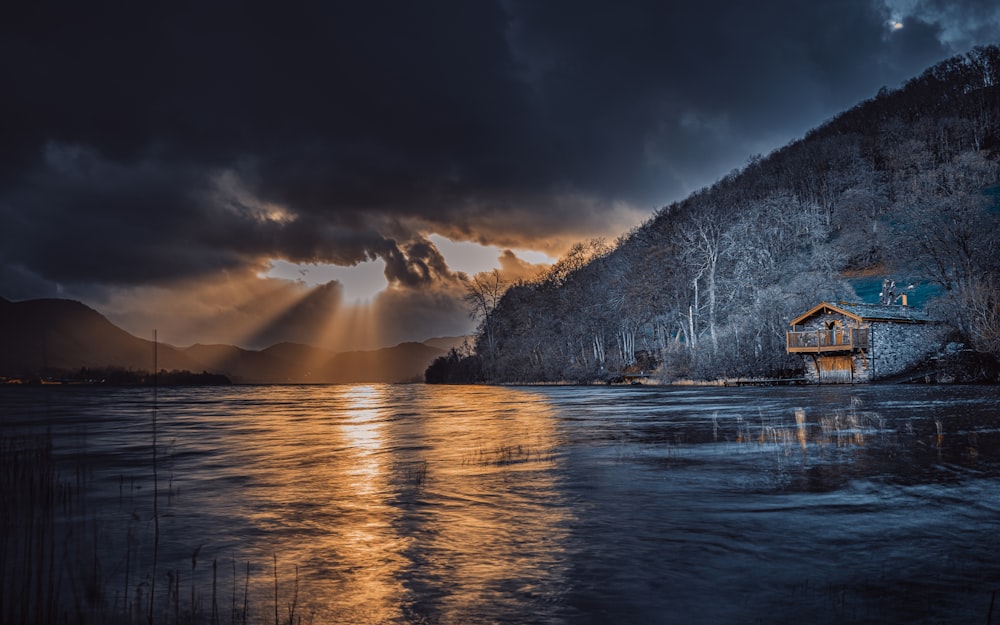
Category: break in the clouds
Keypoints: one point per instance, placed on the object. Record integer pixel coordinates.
(152, 148)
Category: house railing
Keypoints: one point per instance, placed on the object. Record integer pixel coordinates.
(834, 340)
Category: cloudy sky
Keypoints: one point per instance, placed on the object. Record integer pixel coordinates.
(248, 172)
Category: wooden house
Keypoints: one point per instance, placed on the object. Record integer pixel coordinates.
(857, 343)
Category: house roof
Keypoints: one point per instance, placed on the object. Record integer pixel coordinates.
(867, 312)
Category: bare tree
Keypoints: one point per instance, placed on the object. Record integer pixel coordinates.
(954, 234)
(701, 248)
(483, 293)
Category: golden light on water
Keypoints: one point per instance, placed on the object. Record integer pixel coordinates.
(326, 485)
(365, 544)
(363, 435)
(420, 504)
(456, 488)
(501, 500)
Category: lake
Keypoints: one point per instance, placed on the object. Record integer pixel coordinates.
(466, 505)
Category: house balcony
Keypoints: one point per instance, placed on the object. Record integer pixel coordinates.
(823, 341)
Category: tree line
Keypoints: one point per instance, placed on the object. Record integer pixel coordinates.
(119, 376)
(905, 184)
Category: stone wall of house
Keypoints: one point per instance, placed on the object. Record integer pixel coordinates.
(862, 367)
(893, 348)
(810, 370)
(896, 347)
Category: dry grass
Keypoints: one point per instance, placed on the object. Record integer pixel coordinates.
(55, 568)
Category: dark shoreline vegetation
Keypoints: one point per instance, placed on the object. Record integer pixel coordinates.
(905, 185)
(964, 366)
(115, 376)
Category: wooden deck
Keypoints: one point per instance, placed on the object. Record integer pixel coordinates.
(820, 341)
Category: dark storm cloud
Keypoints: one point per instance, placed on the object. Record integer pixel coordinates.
(152, 142)
(416, 265)
(959, 25)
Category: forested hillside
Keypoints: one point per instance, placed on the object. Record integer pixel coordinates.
(904, 185)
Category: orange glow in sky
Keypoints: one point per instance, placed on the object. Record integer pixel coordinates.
(364, 281)
(361, 282)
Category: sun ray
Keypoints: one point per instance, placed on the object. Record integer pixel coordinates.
(353, 327)
(361, 282)
(223, 308)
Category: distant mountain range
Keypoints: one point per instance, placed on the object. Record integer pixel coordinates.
(45, 336)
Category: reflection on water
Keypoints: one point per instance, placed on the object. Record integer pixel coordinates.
(414, 504)
(398, 504)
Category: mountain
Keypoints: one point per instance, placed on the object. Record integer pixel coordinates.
(43, 336)
(446, 343)
(298, 352)
(298, 363)
(405, 362)
(241, 365)
(302, 362)
(904, 186)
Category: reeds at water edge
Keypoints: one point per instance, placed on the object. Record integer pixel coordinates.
(31, 492)
(58, 564)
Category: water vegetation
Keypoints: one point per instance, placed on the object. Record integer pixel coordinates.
(59, 566)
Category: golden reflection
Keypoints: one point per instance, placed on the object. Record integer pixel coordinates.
(326, 501)
(366, 544)
(800, 427)
(411, 503)
(504, 529)
(852, 427)
(362, 431)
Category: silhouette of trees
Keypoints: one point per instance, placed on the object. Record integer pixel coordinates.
(456, 367)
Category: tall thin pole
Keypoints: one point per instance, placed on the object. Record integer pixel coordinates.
(156, 494)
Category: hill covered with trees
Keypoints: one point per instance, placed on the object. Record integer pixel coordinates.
(905, 185)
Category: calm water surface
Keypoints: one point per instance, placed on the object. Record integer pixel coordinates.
(454, 505)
